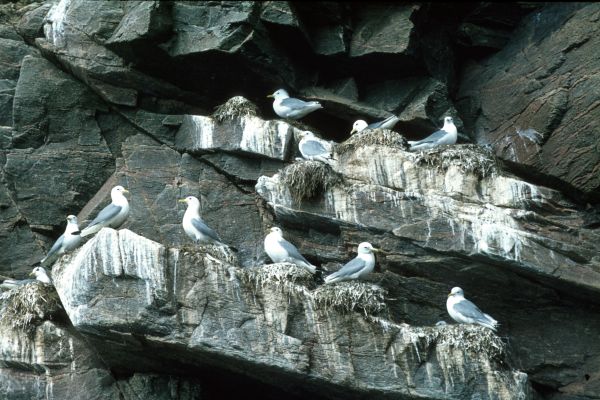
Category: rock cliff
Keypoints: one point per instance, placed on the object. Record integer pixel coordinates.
(168, 100)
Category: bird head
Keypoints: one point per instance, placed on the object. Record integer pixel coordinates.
(38, 271)
(307, 134)
(118, 189)
(190, 201)
(456, 291)
(448, 120)
(71, 219)
(279, 94)
(358, 126)
(276, 230)
(366, 248)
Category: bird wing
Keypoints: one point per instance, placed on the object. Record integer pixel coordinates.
(108, 213)
(469, 310)
(292, 251)
(350, 268)
(312, 148)
(13, 283)
(204, 229)
(55, 247)
(379, 124)
(294, 104)
(434, 137)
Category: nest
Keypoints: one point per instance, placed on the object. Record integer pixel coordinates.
(288, 277)
(351, 296)
(469, 158)
(235, 107)
(472, 338)
(25, 307)
(370, 137)
(221, 253)
(309, 179)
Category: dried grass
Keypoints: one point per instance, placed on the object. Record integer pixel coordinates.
(289, 277)
(469, 158)
(309, 179)
(235, 107)
(373, 137)
(351, 296)
(25, 307)
(472, 338)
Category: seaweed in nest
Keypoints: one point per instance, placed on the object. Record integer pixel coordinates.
(308, 179)
(288, 277)
(474, 339)
(470, 158)
(351, 296)
(370, 137)
(25, 307)
(237, 106)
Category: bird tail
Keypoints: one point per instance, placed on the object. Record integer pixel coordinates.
(309, 267)
(489, 322)
(332, 278)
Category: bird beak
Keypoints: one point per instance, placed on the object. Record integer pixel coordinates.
(449, 294)
(379, 251)
(182, 201)
(352, 131)
(125, 191)
(270, 95)
(31, 273)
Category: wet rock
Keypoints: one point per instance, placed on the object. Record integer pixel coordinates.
(31, 24)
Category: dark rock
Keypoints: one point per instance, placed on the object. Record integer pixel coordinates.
(32, 23)
(503, 97)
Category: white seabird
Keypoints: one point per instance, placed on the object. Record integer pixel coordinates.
(68, 241)
(40, 275)
(447, 135)
(358, 268)
(280, 250)
(289, 107)
(313, 148)
(465, 312)
(388, 123)
(113, 215)
(194, 226)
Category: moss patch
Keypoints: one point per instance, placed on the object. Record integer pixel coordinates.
(25, 307)
(470, 158)
(351, 296)
(370, 137)
(309, 179)
(235, 107)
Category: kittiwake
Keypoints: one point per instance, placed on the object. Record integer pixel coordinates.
(195, 227)
(313, 148)
(113, 215)
(68, 241)
(387, 123)
(40, 275)
(280, 250)
(358, 268)
(289, 107)
(465, 312)
(447, 135)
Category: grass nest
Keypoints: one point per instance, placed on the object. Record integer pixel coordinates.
(288, 277)
(351, 296)
(474, 339)
(24, 308)
(235, 107)
(309, 179)
(470, 158)
(221, 253)
(370, 137)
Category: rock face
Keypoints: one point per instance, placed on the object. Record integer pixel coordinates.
(169, 99)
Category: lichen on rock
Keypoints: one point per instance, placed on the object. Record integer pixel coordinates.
(235, 107)
(309, 179)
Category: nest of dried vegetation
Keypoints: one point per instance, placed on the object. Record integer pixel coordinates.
(235, 107)
(469, 158)
(351, 296)
(370, 137)
(286, 276)
(25, 307)
(309, 179)
(472, 338)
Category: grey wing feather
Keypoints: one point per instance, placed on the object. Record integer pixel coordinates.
(205, 230)
(56, 246)
(108, 213)
(379, 124)
(469, 310)
(313, 148)
(292, 251)
(434, 137)
(294, 104)
(352, 267)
